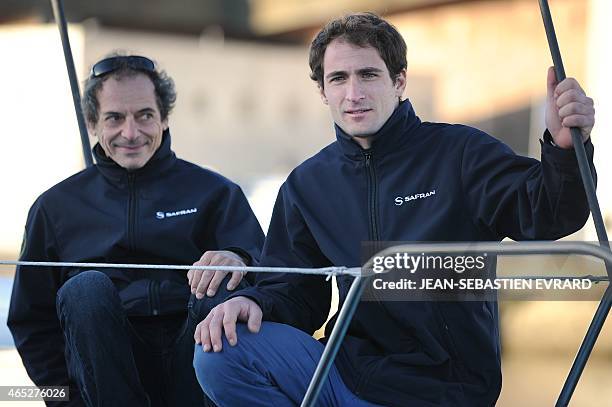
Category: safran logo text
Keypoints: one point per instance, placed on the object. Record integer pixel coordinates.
(163, 215)
(399, 201)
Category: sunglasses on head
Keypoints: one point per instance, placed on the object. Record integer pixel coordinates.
(111, 64)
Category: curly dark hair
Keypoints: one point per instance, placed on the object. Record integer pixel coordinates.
(361, 29)
(165, 93)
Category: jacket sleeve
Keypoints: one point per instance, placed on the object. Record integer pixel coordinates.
(235, 226)
(302, 301)
(32, 317)
(522, 198)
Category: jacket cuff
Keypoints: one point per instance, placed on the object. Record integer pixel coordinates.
(563, 160)
(244, 255)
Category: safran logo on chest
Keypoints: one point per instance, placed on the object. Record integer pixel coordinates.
(163, 215)
(400, 200)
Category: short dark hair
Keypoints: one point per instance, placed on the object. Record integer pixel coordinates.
(165, 94)
(361, 29)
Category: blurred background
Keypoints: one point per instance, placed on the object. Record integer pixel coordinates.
(247, 108)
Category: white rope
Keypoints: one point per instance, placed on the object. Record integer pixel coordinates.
(327, 271)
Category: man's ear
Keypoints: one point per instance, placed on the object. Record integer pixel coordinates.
(165, 124)
(91, 129)
(400, 83)
(322, 94)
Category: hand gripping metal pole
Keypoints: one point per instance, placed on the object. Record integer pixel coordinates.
(58, 12)
(589, 186)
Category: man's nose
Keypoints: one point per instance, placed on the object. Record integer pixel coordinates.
(354, 90)
(130, 128)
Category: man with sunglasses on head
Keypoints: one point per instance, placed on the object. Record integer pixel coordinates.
(121, 336)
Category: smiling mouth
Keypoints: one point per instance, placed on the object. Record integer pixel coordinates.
(129, 150)
(130, 146)
(357, 111)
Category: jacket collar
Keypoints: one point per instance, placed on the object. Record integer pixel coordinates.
(393, 135)
(161, 160)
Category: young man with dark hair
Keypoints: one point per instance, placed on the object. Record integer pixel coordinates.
(395, 353)
(122, 336)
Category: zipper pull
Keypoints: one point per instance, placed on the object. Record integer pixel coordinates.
(368, 157)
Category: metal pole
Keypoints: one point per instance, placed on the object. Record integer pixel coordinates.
(335, 340)
(589, 186)
(58, 13)
(585, 172)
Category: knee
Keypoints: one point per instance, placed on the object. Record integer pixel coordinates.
(216, 370)
(211, 369)
(86, 294)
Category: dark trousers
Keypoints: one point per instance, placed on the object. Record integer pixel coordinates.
(117, 360)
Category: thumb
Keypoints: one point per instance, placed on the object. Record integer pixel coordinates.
(551, 83)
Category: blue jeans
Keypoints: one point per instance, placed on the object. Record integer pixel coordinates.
(119, 360)
(270, 368)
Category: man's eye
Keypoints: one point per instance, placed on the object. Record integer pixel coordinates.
(113, 118)
(146, 116)
(336, 79)
(369, 75)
